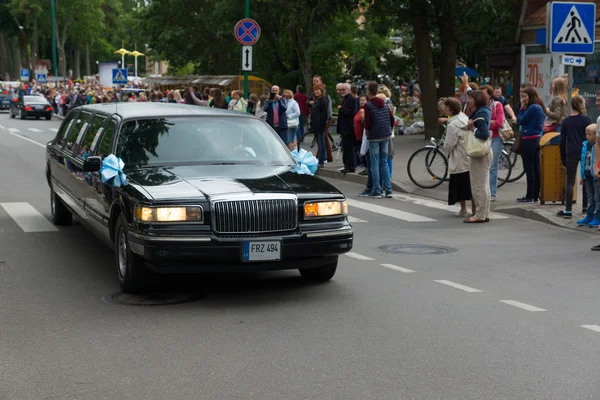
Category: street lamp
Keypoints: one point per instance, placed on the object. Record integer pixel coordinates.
(53, 40)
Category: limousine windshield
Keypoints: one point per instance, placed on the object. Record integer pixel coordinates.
(207, 140)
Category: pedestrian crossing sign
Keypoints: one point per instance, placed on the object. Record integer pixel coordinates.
(119, 76)
(572, 27)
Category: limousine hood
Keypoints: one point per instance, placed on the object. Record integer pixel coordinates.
(211, 181)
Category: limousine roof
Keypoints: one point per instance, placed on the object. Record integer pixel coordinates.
(149, 109)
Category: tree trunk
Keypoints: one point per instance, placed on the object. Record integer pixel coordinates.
(16, 57)
(304, 58)
(425, 64)
(5, 58)
(449, 45)
(88, 70)
(24, 50)
(76, 64)
(34, 45)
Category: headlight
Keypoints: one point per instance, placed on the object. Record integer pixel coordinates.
(169, 214)
(325, 209)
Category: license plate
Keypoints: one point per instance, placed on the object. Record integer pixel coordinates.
(261, 251)
(6, 102)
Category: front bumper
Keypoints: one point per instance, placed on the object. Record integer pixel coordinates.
(211, 253)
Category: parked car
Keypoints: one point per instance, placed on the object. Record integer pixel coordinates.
(206, 190)
(30, 106)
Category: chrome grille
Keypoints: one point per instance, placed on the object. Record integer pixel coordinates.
(255, 216)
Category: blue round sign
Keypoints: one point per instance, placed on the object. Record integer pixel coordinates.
(247, 31)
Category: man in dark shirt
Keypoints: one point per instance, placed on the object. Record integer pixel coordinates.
(345, 125)
(301, 99)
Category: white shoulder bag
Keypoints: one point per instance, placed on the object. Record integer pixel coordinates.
(477, 148)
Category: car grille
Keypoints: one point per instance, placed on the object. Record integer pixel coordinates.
(255, 216)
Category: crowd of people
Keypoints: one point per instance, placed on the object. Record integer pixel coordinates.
(473, 171)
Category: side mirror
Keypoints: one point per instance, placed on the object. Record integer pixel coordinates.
(92, 164)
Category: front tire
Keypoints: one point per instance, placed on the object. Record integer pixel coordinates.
(323, 273)
(60, 213)
(48, 117)
(133, 277)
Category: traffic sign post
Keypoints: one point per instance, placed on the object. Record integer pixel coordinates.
(247, 33)
(246, 58)
(576, 61)
(41, 78)
(119, 76)
(571, 29)
(24, 74)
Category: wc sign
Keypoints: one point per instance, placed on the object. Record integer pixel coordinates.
(575, 61)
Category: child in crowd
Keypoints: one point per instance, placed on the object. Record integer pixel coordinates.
(592, 218)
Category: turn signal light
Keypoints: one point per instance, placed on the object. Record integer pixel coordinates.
(49, 108)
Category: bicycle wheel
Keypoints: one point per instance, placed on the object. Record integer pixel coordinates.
(516, 163)
(427, 168)
(429, 161)
(504, 169)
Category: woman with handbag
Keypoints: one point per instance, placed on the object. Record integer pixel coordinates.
(572, 137)
(479, 149)
(293, 118)
(455, 145)
(496, 124)
(558, 107)
(531, 119)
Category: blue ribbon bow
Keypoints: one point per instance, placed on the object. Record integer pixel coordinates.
(112, 171)
(307, 162)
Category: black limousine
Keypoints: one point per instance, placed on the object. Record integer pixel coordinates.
(199, 190)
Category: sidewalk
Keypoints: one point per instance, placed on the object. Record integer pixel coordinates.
(405, 146)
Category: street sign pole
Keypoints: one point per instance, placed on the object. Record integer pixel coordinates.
(246, 15)
(53, 39)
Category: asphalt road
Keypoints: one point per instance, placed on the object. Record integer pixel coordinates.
(500, 315)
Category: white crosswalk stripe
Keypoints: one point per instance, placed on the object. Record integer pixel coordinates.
(14, 130)
(354, 220)
(438, 205)
(34, 129)
(389, 212)
(1, 127)
(28, 218)
(53, 129)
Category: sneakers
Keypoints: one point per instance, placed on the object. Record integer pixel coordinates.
(595, 223)
(596, 248)
(584, 221)
(524, 200)
(363, 194)
(388, 195)
(374, 195)
(564, 214)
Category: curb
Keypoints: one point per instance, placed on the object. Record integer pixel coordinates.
(545, 216)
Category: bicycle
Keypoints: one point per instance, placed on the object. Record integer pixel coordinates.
(432, 152)
(517, 167)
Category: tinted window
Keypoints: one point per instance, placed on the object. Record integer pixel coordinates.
(76, 129)
(105, 147)
(93, 130)
(34, 99)
(66, 125)
(205, 140)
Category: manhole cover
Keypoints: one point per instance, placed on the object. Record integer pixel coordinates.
(151, 299)
(416, 249)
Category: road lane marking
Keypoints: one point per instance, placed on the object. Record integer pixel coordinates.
(28, 218)
(359, 256)
(14, 130)
(27, 139)
(595, 328)
(397, 268)
(458, 286)
(355, 220)
(438, 205)
(53, 129)
(1, 127)
(389, 212)
(523, 306)
(34, 129)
